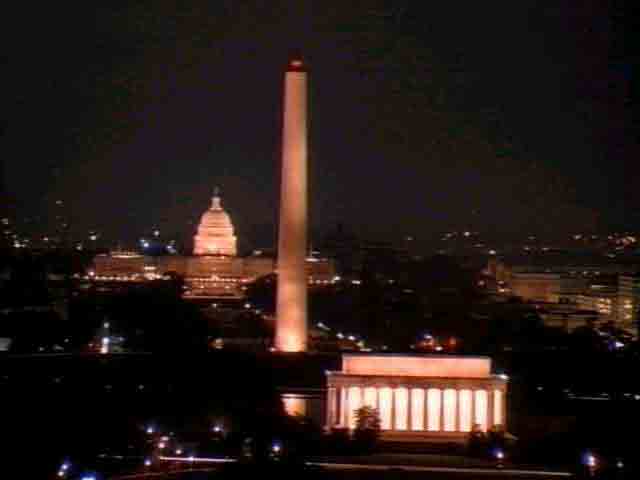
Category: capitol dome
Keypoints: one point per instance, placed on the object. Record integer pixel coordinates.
(215, 235)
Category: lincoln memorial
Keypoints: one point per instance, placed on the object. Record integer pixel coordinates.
(418, 396)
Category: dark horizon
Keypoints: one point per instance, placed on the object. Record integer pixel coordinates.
(497, 118)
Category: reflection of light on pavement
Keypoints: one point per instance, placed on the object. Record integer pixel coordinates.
(474, 471)
(351, 466)
(197, 459)
(294, 404)
(173, 474)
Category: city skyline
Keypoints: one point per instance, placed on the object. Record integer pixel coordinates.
(320, 239)
(415, 128)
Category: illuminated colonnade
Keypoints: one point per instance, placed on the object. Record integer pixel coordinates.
(412, 403)
(423, 409)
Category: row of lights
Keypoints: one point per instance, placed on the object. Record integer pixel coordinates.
(321, 282)
(124, 278)
(360, 343)
(429, 342)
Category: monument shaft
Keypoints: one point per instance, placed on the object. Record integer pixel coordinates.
(291, 309)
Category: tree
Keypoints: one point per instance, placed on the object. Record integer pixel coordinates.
(477, 441)
(367, 431)
(367, 418)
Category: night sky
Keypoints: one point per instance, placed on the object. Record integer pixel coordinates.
(500, 116)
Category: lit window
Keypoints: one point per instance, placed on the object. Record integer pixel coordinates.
(417, 409)
(294, 405)
(465, 399)
(481, 406)
(385, 408)
(353, 404)
(370, 397)
(497, 407)
(449, 410)
(401, 404)
(433, 409)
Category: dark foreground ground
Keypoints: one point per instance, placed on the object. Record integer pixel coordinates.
(350, 472)
(54, 407)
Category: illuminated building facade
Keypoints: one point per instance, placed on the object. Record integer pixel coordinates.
(604, 302)
(610, 287)
(629, 302)
(568, 317)
(291, 302)
(205, 276)
(418, 397)
(215, 234)
(536, 286)
(214, 270)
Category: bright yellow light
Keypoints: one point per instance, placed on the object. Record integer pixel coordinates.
(289, 343)
(417, 409)
(497, 408)
(450, 410)
(401, 405)
(371, 397)
(353, 404)
(464, 407)
(433, 409)
(294, 405)
(481, 407)
(385, 408)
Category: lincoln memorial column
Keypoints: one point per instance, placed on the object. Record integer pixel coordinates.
(442, 408)
(490, 416)
(473, 408)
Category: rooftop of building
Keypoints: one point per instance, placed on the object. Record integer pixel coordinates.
(568, 260)
(416, 365)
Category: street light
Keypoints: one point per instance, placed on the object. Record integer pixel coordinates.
(590, 462)
(64, 469)
(499, 456)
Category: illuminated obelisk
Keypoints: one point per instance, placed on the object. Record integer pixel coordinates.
(291, 309)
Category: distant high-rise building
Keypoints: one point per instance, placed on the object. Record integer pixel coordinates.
(629, 301)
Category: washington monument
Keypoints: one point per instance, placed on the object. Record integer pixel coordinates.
(291, 308)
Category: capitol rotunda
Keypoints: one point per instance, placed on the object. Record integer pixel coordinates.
(213, 271)
(215, 235)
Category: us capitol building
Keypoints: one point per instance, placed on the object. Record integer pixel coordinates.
(213, 271)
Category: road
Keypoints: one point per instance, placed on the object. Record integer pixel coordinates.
(347, 471)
